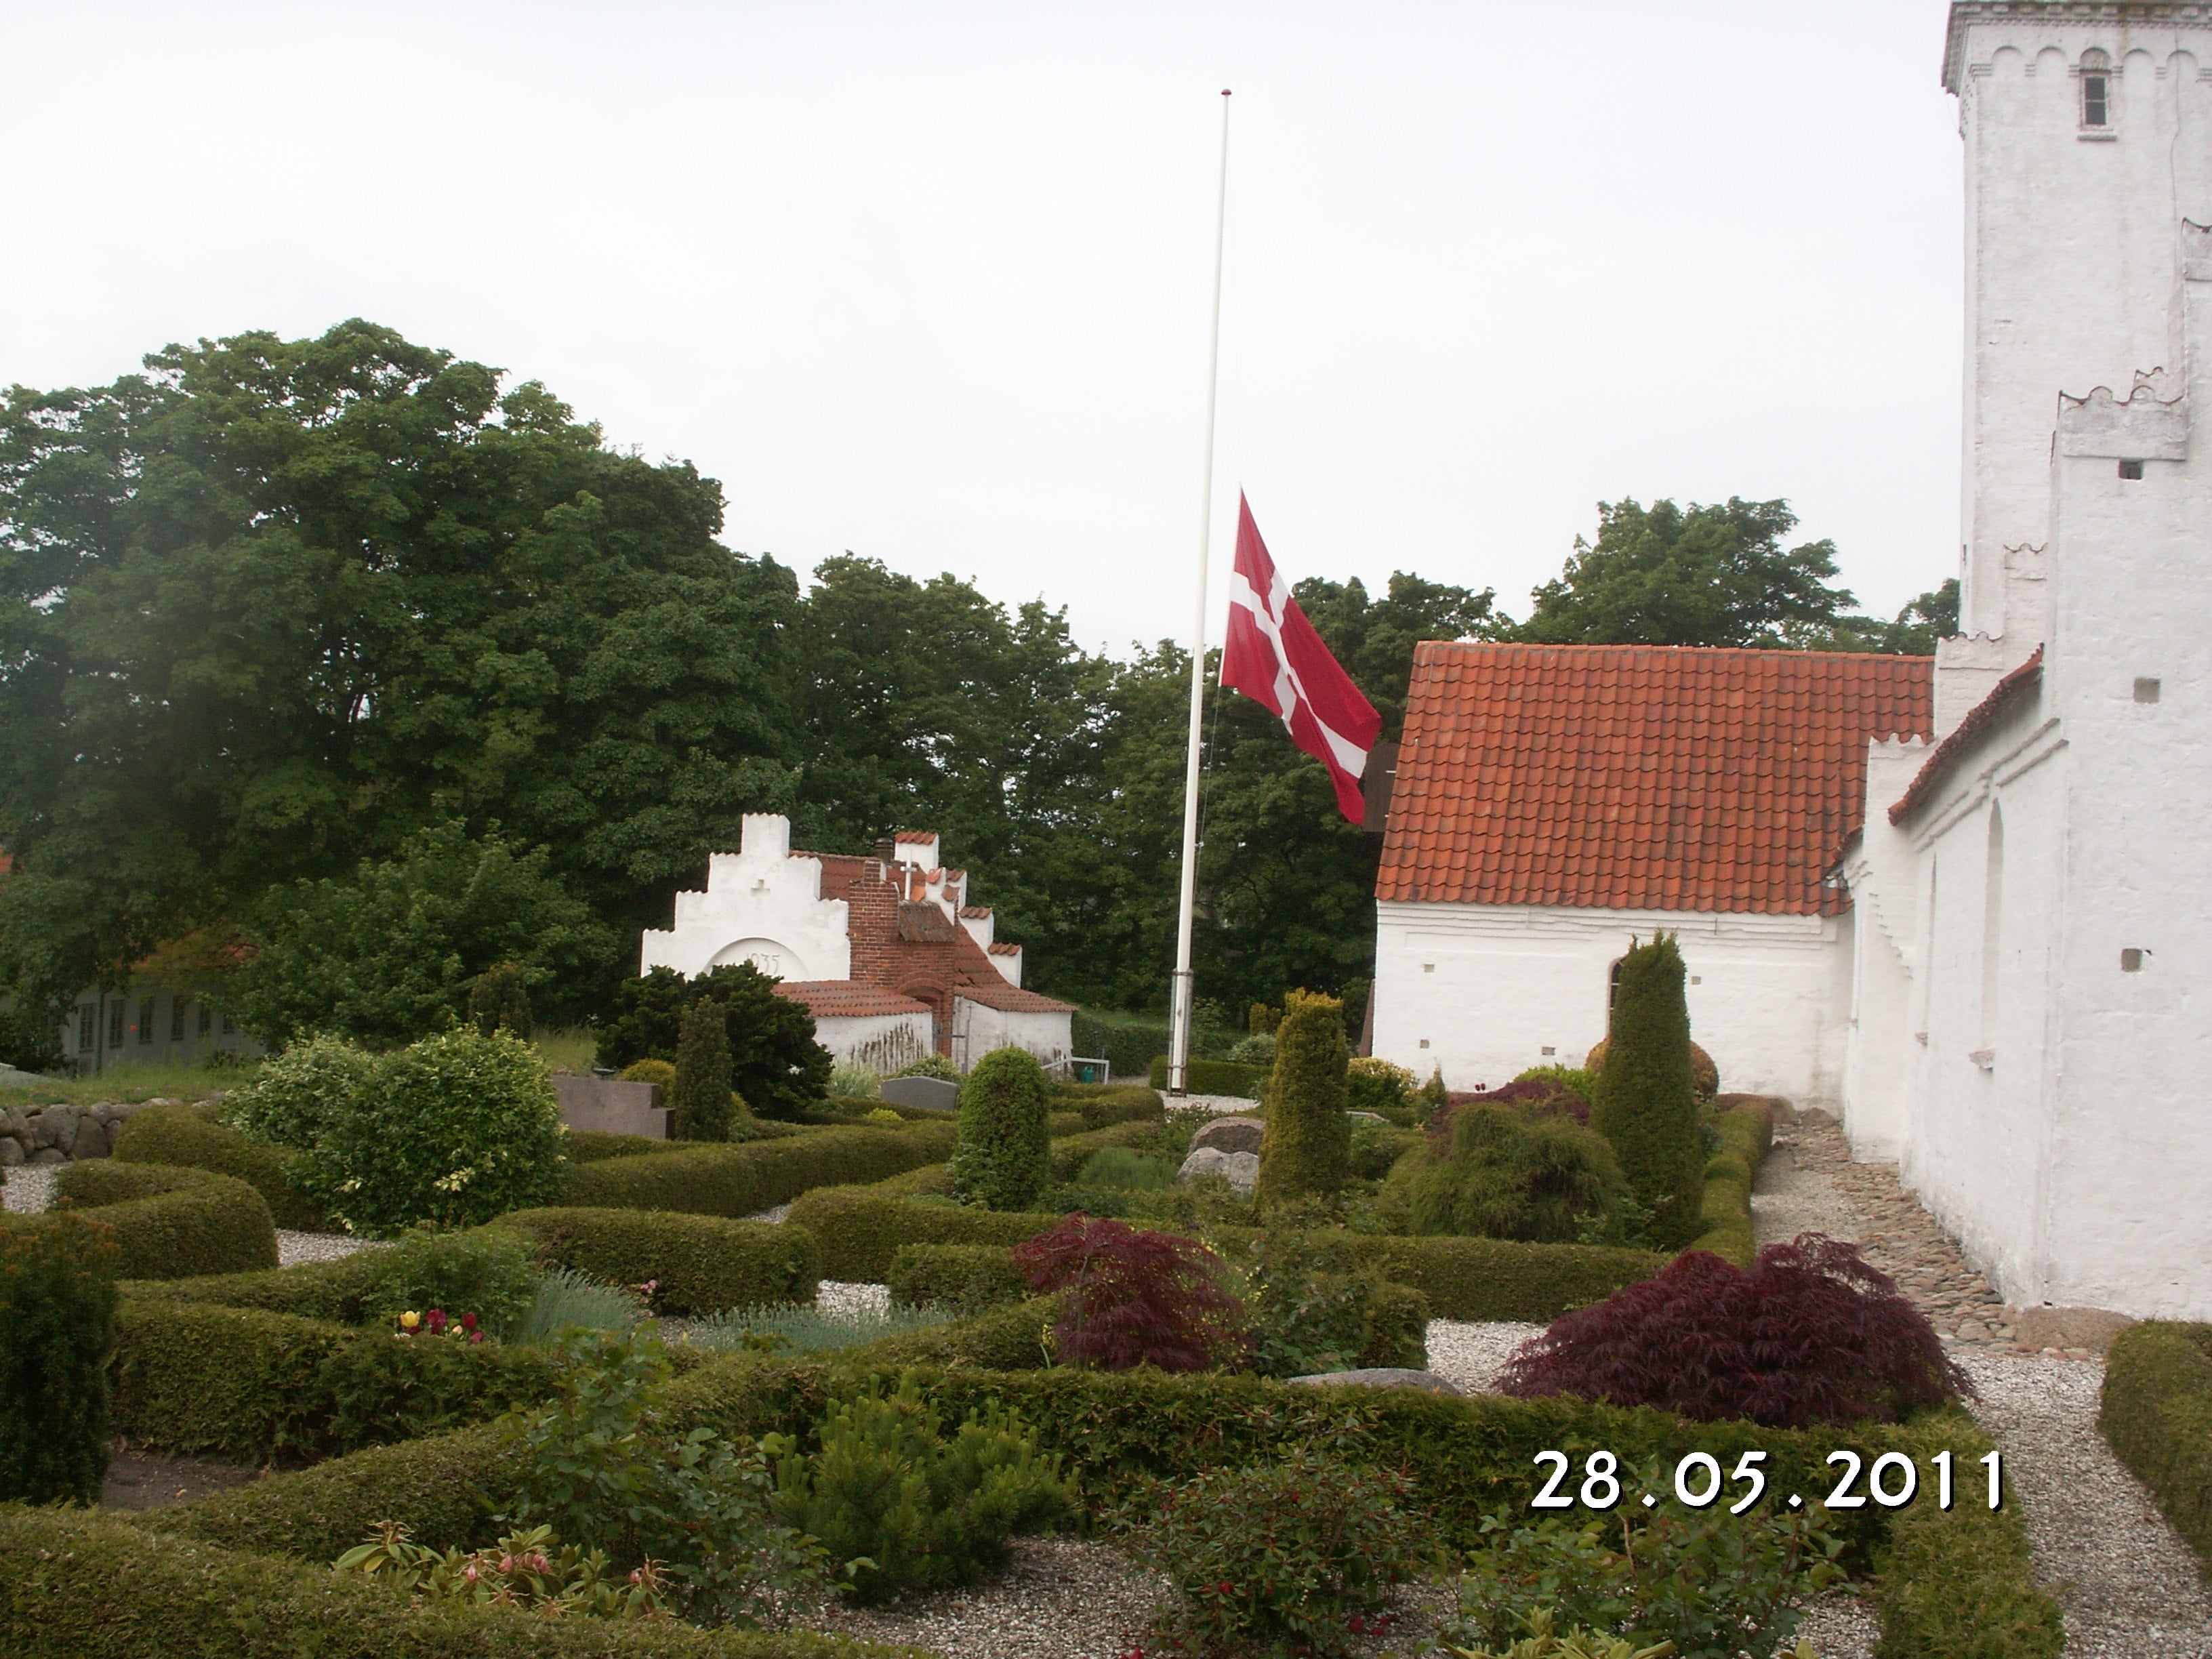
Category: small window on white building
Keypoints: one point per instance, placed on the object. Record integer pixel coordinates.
(176, 1006)
(87, 1019)
(2096, 92)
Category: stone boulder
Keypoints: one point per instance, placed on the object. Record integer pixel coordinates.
(92, 1138)
(1240, 1169)
(55, 1128)
(1378, 1377)
(1231, 1135)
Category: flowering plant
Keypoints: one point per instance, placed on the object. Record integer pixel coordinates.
(436, 1322)
(524, 1568)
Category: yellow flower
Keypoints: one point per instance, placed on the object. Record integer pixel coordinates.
(410, 1319)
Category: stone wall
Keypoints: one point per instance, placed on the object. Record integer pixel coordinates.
(55, 1135)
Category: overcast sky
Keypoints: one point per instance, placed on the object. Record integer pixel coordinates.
(928, 281)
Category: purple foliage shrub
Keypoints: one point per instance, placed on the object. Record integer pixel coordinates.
(1808, 1333)
(1130, 1298)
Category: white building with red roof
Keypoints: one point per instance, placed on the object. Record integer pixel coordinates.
(884, 949)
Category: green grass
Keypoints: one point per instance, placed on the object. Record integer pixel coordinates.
(571, 1049)
(807, 1328)
(125, 1081)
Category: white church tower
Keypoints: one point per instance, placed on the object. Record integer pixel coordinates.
(2032, 981)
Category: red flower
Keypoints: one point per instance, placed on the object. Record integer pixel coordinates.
(436, 1320)
(468, 1322)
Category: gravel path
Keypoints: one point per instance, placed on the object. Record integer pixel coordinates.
(30, 1191)
(1470, 1356)
(30, 1187)
(294, 1248)
(2128, 1586)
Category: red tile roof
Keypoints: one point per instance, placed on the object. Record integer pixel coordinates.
(1012, 999)
(2006, 692)
(973, 912)
(844, 999)
(917, 834)
(1006, 949)
(1638, 777)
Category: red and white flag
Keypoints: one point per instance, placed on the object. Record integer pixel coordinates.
(1274, 657)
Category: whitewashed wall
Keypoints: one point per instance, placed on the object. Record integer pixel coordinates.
(977, 1029)
(1483, 991)
(881, 1042)
(760, 906)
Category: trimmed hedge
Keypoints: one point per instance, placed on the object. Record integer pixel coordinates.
(591, 1146)
(2157, 1413)
(1216, 1077)
(1071, 1152)
(1747, 1130)
(701, 1264)
(1955, 1582)
(1104, 1104)
(333, 1291)
(244, 1384)
(172, 1223)
(754, 1176)
(191, 1137)
(1015, 1337)
(1489, 1279)
(861, 1229)
(968, 1277)
(83, 1583)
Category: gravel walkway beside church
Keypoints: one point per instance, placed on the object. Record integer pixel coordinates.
(2129, 1586)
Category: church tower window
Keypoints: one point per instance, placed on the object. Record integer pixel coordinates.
(2096, 91)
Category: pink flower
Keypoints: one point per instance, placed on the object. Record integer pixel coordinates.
(476, 1336)
(471, 1573)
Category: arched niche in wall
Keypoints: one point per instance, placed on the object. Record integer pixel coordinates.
(772, 957)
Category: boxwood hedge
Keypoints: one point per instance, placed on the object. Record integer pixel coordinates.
(700, 1264)
(1215, 1077)
(861, 1229)
(172, 1222)
(191, 1137)
(1104, 1104)
(968, 1277)
(753, 1175)
(2157, 1413)
(1745, 1124)
(81, 1581)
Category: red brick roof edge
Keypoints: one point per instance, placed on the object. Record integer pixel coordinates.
(1983, 716)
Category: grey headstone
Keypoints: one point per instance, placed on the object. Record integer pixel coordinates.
(1240, 1169)
(935, 1093)
(1379, 1377)
(609, 1106)
(1231, 1135)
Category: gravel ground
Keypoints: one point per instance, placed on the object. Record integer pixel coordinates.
(1470, 1356)
(30, 1187)
(777, 1213)
(293, 1248)
(841, 1297)
(2128, 1584)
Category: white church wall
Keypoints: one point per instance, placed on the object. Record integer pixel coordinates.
(1484, 990)
(760, 905)
(881, 1042)
(1884, 874)
(977, 1029)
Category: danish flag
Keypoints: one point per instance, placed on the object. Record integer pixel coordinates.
(1274, 657)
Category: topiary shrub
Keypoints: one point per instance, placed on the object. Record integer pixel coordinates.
(1258, 1050)
(1498, 1173)
(935, 1065)
(659, 1071)
(2156, 1411)
(697, 1264)
(1810, 1333)
(298, 1094)
(57, 1310)
(455, 1129)
(1132, 1298)
(500, 1000)
(1002, 1157)
(193, 1138)
(1646, 1103)
(1377, 1085)
(700, 1100)
(1308, 1136)
(922, 1509)
(174, 1223)
(1705, 1076)
(776, 1066)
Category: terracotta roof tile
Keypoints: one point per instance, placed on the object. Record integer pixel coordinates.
(1012, 999)
(1638, 777)
(975, 912)
(917, 834)
(2006, 692)
(844, 999)
(1006, 948)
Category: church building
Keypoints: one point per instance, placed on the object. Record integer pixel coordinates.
(1995, 968)
(885, 951)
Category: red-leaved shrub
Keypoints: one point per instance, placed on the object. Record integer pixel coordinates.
(1134, 1298)
(1810, 1333)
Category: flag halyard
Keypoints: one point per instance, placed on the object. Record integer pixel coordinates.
(1274, 657)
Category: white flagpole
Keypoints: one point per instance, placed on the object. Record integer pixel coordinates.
(1179, 1029)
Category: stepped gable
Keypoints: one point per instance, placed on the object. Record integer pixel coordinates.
(1639, 777)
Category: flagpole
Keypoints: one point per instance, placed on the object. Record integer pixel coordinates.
(1179, 1029)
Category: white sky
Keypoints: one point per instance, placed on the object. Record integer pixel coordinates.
(928, 281)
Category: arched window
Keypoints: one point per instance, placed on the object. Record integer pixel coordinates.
(1992, 927)
(2096, 77)
(1613, 985)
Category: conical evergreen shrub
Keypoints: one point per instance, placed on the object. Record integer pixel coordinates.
(1646, 1103)
(701, 1094)
(1002, 1151)
(500, 1001)
(1307, 1139)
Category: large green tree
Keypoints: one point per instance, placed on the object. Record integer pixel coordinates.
(273, 606)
